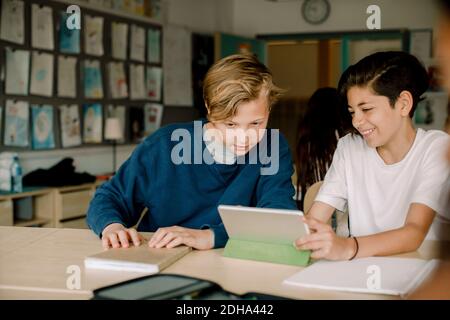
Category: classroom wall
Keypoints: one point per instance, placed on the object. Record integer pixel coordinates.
(247, 18)
(252, 17)
(201, 16)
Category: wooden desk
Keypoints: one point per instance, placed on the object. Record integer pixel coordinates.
(34, 261)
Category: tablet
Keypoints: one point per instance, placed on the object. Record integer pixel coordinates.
(277, 226)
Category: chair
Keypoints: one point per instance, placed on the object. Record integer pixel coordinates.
(310, 195)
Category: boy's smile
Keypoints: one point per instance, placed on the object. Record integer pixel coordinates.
(386, 128)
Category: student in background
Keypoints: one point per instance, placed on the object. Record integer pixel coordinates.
(182, 187)
(392, 177)
(323, 124)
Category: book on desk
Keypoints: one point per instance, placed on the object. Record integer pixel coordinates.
(136, 259)
(375, 275)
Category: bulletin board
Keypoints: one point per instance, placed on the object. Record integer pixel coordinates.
(20, 130)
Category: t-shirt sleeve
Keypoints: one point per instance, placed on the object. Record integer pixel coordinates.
(433, 186)
(334, 188)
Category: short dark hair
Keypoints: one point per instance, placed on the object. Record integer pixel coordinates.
(387, 74)
(445, 5)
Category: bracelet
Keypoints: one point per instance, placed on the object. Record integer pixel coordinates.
(357, 249)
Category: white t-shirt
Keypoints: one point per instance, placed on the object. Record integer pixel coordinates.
(377, 195)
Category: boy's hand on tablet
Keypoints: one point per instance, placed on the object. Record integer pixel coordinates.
(324, 242)
(174, 236)
(116, 235)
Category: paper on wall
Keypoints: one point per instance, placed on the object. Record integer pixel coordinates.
(42, 74)
(42, 27)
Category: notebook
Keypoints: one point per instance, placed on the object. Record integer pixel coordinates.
(377, 275)
(136, 259)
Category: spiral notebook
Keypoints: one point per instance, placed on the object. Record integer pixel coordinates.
(136, 259)
(377, 275)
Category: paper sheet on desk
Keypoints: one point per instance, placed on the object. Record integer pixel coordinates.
(378, 275)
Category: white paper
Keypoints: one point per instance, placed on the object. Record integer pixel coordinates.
(42, 27)
(12, 21)
(153, 83)
(17, 70)
(92, 123)
(70, 125)
(153, 115)
(93, 35)
(397, 276)
(42, 74)
(117, 80)
(93, 80)
(154, 45)
(67, 86)
(17, 123)
(137, 47)
(137, 82)
(120, 113)
(119, 37)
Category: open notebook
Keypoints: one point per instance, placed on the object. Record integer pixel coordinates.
(379, 275)
(136, 259)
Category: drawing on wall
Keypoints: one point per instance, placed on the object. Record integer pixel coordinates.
(137, 43)
(67, 86)
(118, 87)
(12, 21)
(119, 40)
(17, 69)
(118, 112)
(92, 123)
(42, 27)
(154, 46)
(42, 74)
(16, 123)
(70, 125)
(93, 86)
(153, 115)
(154, 80)
(42, 127)
(93, 35)
(69, 40)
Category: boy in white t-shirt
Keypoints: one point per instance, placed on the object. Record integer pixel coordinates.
(392, 178)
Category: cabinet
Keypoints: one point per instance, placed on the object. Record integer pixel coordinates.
(71, 204)
(63, 207)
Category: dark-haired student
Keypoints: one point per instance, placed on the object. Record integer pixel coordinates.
(393, 178)
(317, 138)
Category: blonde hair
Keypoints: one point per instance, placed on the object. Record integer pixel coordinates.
(236, 79)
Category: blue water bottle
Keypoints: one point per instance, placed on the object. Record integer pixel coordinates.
(16, 175)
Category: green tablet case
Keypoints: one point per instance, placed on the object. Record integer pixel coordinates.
(268, 252)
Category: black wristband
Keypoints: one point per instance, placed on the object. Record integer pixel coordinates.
(357, 248)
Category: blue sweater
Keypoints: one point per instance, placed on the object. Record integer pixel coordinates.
(185, 194)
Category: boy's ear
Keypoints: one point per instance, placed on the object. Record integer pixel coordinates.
(405, 102)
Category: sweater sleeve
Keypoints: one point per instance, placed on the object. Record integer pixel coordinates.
(121, 200)
(275, 188)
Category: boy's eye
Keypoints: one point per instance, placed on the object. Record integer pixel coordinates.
(367, 109)
(230, 125)
(255, 124)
